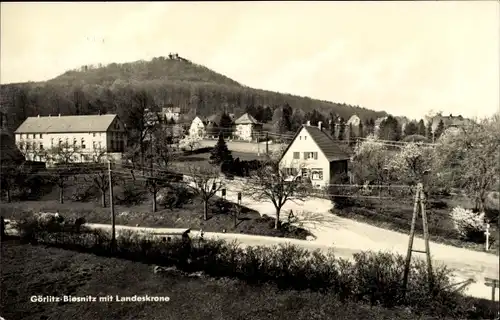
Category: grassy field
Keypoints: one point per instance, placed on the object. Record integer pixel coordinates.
(35, 270)
(201, 160)
(190, 215)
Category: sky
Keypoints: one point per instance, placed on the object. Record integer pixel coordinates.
(406, 58)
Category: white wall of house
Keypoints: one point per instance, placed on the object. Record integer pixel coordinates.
(172, 115)
(305, 154)
(244, 131)
(197, 128)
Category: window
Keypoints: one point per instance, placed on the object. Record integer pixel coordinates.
(93, 145)
(40, 135)
(310, 155)
(51, 142)
(34, 135)
(317, 174)
(41, 146)
(300, 137)
(59, 143)
(100, 145)
(93, 134)
(21, 145)
(296, 155)
(74, 143)
(28, 145)
(305, 137)
(83, 143)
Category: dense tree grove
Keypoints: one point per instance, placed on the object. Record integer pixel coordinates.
(116, 88)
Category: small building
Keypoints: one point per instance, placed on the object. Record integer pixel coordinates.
(171, 113)
(450, 121)
(197, 128)
(313, 154)
(247, 128)
(87, 135)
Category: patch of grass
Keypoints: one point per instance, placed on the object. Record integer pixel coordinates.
(397, 215)
(190, 215)
(29, 270)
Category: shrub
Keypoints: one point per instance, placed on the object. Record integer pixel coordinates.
(469, 225)
(372, 277)
(132, 193)
(83, 193)
(175, 196)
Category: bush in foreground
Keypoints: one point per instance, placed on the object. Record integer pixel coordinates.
(372, 277)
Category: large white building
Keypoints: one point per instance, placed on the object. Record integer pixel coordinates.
(89, 136)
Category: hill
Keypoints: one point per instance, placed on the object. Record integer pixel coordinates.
(161, 81)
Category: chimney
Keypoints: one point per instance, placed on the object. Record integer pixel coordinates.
(49, 115)
(308, 123)
(59, 115)
(320, 125)
(38, 116)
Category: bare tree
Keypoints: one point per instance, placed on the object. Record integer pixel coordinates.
(160, 156)
(62, 158)
(271, 183)
(97, 173)
(205, 182)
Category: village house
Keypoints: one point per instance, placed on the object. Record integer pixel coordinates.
(197, 128)
(247, 128)
(171, 113)
(314, 155)
(450, 121)
(90, 135)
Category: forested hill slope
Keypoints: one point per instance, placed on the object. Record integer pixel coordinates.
(118, 88)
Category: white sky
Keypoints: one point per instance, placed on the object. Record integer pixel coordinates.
(402, 57)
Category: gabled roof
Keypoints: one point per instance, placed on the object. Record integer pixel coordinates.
(62, 124)
(325, 143)
(171, 109)
(354, 120)
(246, 119)
(450, 121)
(215, 118)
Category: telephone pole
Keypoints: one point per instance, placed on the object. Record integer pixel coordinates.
(112, 207)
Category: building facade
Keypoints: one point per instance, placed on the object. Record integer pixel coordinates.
(314, 155)
(88, 137)
(247, 128)
(197, 128)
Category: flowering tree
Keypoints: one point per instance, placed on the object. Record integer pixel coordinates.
(411, 163)
(468, 224)
(469, 158)
(369, 161)
(191, 142)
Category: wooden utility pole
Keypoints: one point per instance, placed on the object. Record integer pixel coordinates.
(267, 143)
(418, 206)
(112, 207)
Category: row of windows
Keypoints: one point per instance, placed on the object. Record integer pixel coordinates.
(307, 155)
(31, 135)
(118, 135)
(115, 144)
(313, 174)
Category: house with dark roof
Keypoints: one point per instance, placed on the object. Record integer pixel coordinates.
(247, 128)
(89, 136)
(315, 156)
(450, 121)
